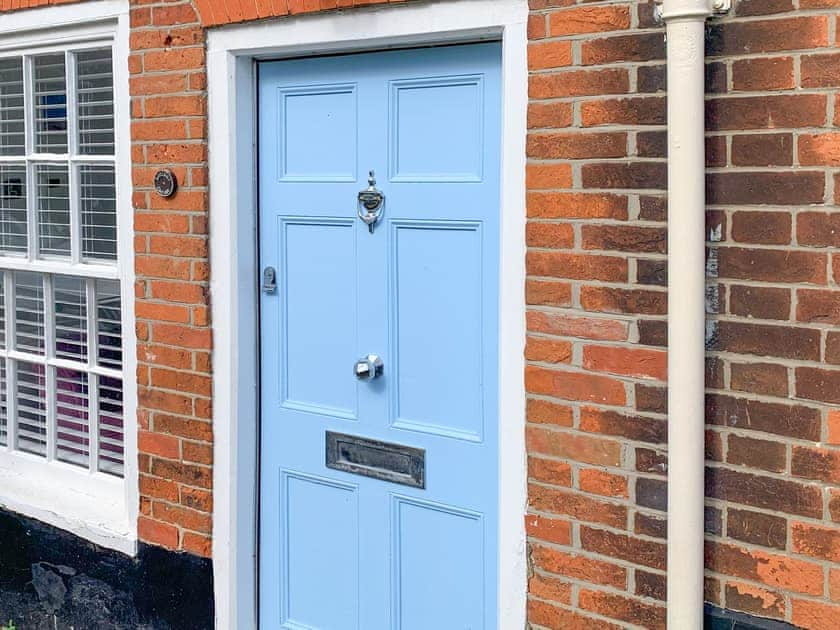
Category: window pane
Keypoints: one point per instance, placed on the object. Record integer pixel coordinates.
(96, 102)
(13, 208)
(11, 107)
(71, 417)
(110, 426)
(70, 318)
(53, 194)
(29, 312)
(31, 408)
(99, 212)
(50, 95)
(109, 323)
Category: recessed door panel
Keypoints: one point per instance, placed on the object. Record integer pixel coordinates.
(379, 343)
(438, 567)
(319, 327)
(318, 133)
(437, 322)
(320, 553)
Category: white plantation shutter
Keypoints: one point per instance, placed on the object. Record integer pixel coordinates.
(61, 356)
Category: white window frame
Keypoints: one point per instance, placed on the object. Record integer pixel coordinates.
(231, 52)
(99, 507)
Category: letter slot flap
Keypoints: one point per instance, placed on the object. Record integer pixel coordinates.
(396, 463)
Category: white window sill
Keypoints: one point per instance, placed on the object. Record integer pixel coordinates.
(92, 507)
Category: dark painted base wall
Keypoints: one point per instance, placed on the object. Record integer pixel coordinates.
(50, 578)
(719, 619)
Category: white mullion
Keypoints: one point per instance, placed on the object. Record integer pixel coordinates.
(74, 184)
(70, 100)
(49, 372)
(32, 210)
(11, 366)
(11, 406)
(28, 107)
(93, 380)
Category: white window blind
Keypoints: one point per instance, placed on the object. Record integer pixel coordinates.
(61, 363)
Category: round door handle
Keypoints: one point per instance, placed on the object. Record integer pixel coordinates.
(368, 367)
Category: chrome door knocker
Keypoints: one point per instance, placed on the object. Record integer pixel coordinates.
(370, 203)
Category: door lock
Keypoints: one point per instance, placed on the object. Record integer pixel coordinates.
(368, 368)
(370, 202)
(269, 280)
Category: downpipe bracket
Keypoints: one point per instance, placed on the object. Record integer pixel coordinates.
(666, 10)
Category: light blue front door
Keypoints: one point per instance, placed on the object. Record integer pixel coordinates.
(399, 532)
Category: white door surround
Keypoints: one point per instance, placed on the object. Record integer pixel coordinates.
(233, 246)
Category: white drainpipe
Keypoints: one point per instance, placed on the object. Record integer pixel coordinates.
(685, 25)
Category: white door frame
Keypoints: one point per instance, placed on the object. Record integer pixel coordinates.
(232, 51)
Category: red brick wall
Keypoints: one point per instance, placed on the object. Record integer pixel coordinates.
(596, 354)
(597, 313)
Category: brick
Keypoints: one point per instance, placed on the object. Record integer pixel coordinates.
(580, 448)
(795, 421)
(813, 615)
(816, 541)
(579, 567)
(581, 20)
(196, 499)
(622, 608)
(635, 47)
(759, 302)
(579, 83)
(737, 38)
(549, 115)
(762, 74)
(763, 492)
(548, 175)
(651, 398)
(760, 454)
(641, 362)
(819, 149)
(576, 266)
(576, 145)
(754, 600)
(651, 585)
(772, 265)
(574, 326)
(548, 350)
(547, 587)
(552, 530)
(549, 471)
(649, 461)
(816, 463)
(611, 300)
(820, 71)
(818, 384)
(550, 235)
(603, 483)
(652, 272)
(624, 238)
(548, 292)
(818, 229)
(157, 533)
(774, 570)
(174, 59)
(553, 54)
(765, 188)
(161, 106)
(763, 7)
(648, 525)
(197, 544)
(623, 547)
(189, 474)
(765, 112)
(651, 79)
(630, 175)
(554, 618)
(652, 493)
(183, 517)
(537, 26)
(767, 149)
(653, 332)
(819, 307)
(161, 445)
(767, 228)
(768, 379)
(636, 428)
(575, 505)
(547, 412)
(647, 110)
(713, 520)
(832, 348)
(158, 488)
(576, 205)
(653, 144)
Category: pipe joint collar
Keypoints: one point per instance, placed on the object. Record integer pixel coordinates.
(691, 9)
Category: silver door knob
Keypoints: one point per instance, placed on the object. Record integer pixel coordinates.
(368, 368)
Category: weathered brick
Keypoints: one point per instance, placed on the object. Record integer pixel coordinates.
(763, 492)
